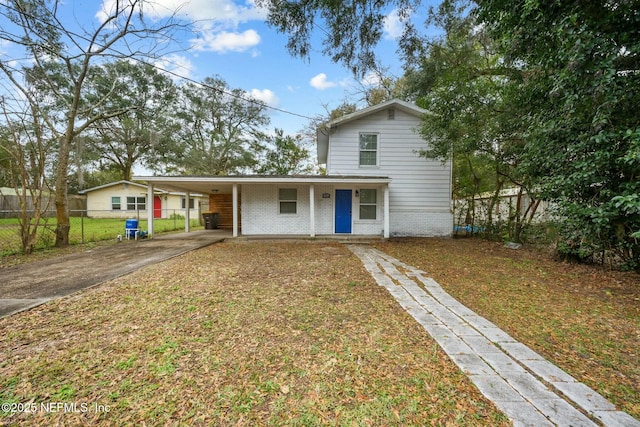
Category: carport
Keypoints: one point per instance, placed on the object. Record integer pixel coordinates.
(311, 183)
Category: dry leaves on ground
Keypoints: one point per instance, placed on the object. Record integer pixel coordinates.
(285, 333)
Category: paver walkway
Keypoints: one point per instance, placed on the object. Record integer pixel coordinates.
(530, 390)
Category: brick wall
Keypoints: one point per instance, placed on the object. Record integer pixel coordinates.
(420, 223)
(261, 211)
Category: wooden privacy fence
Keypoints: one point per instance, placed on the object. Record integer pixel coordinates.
(10, 205)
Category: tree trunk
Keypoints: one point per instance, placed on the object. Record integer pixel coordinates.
(62, 201)
(126, 172)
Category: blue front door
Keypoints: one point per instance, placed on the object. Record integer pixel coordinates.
(343, 211)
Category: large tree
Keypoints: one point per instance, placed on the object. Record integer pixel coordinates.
(141, 134)
(221, 129)
(351, 30)
(462, 80)
(285, 155)
(580, 105)
(575, 106)
(40, 29)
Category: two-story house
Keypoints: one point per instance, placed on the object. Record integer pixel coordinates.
(376, 184)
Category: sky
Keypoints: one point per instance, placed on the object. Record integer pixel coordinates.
(230, 39)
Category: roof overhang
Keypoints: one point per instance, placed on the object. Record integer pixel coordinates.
(398, 104)
(224, 184)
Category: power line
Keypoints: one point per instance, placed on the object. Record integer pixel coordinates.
(161, 69)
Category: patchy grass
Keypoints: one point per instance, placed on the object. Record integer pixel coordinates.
(234, 334)
(82, 230)
(584, 319)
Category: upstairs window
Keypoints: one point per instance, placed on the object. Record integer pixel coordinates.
(136, 203)
(288, 198)
(115, 203)
(368, 149)
(368, 203)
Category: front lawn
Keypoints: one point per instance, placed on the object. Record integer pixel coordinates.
(234, 334)
(82, 230)
(299, 334)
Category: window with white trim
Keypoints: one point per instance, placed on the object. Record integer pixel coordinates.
(115, 203)
(368, 204)
(368, 149)
(136, 203)
(288, 199)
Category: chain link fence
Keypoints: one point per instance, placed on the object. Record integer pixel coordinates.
(89, 226)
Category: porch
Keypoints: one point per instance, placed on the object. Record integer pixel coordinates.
(290, 206)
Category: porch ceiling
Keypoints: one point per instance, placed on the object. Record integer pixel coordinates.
(224, 184)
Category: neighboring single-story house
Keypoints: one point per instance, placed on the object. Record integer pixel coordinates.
(124, 199)
(376, 184)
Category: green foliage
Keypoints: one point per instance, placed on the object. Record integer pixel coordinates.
(351, 30)
(220, 129)
(140, 133)
(287, 156)
(580, 100)
(94, 178)
(462, 81)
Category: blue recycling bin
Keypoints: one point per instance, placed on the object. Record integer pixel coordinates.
(131, 228)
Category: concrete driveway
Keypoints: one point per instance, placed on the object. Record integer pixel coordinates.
(28, 285)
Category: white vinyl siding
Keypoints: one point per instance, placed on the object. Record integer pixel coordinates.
(416, 182)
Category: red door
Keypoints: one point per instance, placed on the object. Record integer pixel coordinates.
(157, 207)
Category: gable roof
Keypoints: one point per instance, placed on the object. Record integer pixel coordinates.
(323, 132)
(135, 184)
(112, 184)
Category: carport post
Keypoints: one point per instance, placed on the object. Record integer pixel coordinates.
(312, 211)
(234, 194)
(150, 209)
(386, 211)
(187, 226)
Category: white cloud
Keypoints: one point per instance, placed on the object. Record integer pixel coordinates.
(372, 79)
(226, 41)
(266, 96)
(4, 46)
(320, 82)
(176, 64)
(215, 21)
(193, 10)
(393, 25)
